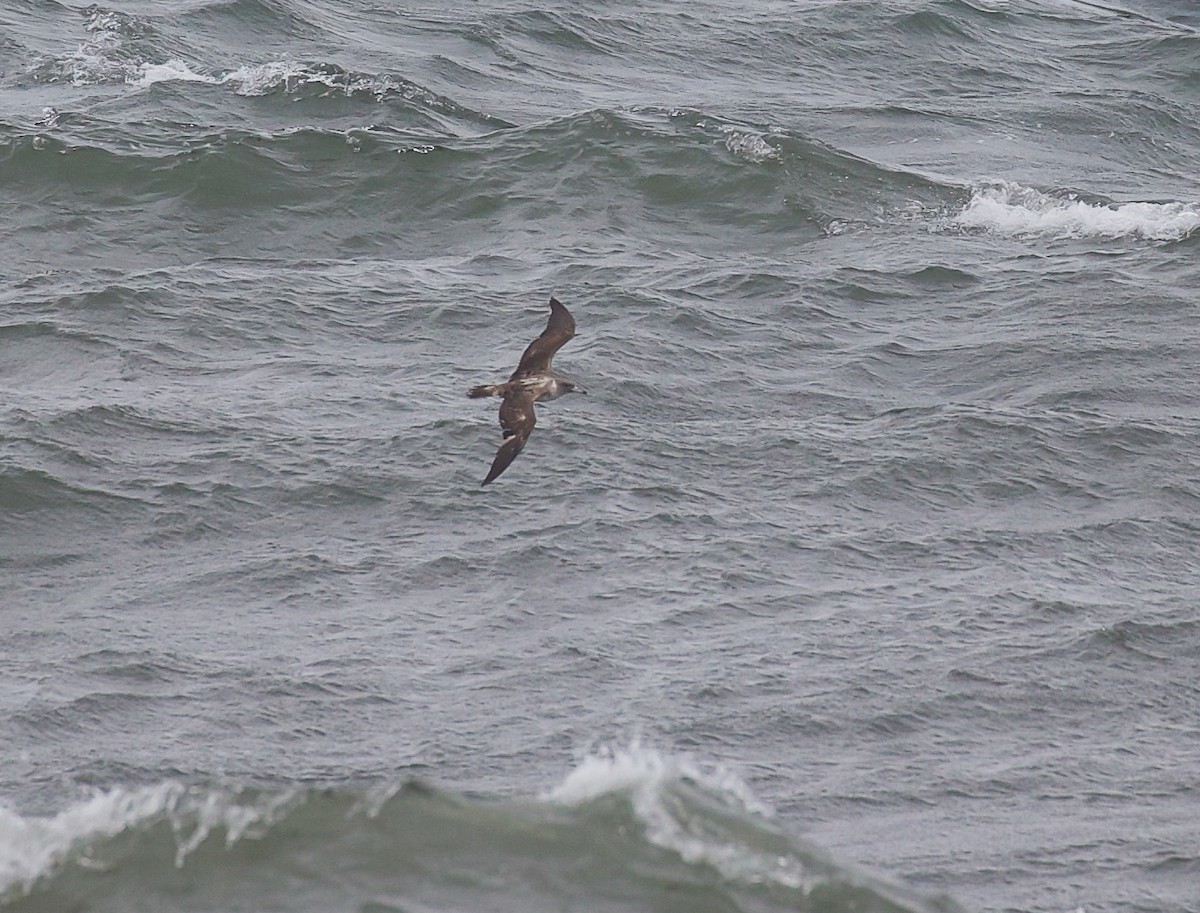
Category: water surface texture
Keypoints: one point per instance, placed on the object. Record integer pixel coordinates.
(866, 578)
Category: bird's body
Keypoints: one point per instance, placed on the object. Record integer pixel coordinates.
(533, 381)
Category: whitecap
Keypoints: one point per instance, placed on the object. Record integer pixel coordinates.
(260, 79)
(32, 846)
(171, 71)
(1013, 210)
(752, 147)
(652, 782)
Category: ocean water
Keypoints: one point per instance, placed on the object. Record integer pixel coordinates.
(865, 578)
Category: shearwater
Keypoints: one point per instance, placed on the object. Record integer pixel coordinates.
(532, 382)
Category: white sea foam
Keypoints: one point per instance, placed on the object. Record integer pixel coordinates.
(611, 769)
(171, 71)
(110, 55)
(32, 847)
(263, 78)
(259, 79)
(198, 813)
(101, 58)
(249, 80)
(1016, 211)
(749, 146)
(649, 778)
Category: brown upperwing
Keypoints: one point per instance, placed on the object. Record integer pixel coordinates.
(517, 420)
(559, 329)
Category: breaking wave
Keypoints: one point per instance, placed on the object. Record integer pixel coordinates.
(636, 827)
(1013, 210)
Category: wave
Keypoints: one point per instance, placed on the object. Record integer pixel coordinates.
(33, 493)
(629, 828)
(125, 50)
(1012, 210)
(687, 167)
(108, 54)
(300, 79)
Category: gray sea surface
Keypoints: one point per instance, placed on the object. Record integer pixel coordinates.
(865, 578)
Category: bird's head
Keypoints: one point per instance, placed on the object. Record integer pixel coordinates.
(569, 386)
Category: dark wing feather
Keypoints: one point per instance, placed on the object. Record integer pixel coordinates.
(559, 329)
(517, 420)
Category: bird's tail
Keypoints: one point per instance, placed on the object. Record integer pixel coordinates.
(482, 390)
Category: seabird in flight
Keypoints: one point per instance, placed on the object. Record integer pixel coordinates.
(533, 381)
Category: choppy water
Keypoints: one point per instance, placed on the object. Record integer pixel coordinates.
(866, 578)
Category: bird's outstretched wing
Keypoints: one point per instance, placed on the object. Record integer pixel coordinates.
(559, 329)
(516, 420)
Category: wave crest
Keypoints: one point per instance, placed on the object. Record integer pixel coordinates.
(669, 832)
(686, 809)
(103, 57)
(1013, 210)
